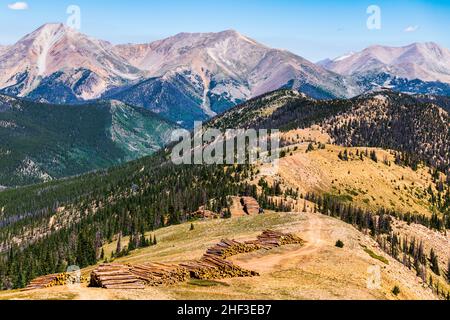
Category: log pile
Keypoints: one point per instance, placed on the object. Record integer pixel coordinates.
(115, 276)
(251, 206)
(228, 248)
(227, 268)
(158, 274)
(48, 281)
(202, 213)
(272, 239)
(267, 240)
(243, 206)
(211, 267)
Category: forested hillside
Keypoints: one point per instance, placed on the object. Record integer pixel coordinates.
(49, 226)
(398, 122)
(128, 200)
(413, 125)
(41, 142)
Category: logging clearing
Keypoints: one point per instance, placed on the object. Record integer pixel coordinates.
(213, 265)
(316, 270)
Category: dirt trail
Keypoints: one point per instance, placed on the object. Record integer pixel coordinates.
(265, 262)
(86, 294)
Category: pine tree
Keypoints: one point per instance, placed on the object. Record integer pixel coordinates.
(119, 245)
(227, 213)
(420, 253)
(346, 155)
(396, 291)
(434, 263)
(373, 156)
(131, 244)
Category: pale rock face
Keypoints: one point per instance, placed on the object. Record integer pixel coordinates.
(56, 47)
(3, 49)
(223, 51)
(424, 61)
(29, 168)
(219, 57)
(58, 64)
(225, 64)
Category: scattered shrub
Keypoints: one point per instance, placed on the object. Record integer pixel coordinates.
(339, 244)
(396, 291)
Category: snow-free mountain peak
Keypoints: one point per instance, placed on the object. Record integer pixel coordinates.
(213, 70)
(55, 51)
(220, 70)
(425, 61)
(194, 76)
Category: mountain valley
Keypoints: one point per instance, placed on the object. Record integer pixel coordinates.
(41, 142)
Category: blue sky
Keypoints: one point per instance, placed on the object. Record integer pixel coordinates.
(312, 29)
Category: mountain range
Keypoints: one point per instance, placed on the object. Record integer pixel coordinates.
(425, 61)
(60, 88)
(195, 76)
(207, 72)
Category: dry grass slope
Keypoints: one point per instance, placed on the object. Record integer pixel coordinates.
(366, 183)
(317, 270)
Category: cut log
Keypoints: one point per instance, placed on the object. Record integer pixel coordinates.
(227, 248)
(250, 205)
(271, 239)
(114, 276)
(157, 274)
(213, 265)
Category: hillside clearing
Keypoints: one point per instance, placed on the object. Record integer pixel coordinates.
(365, 183)
(317, 270)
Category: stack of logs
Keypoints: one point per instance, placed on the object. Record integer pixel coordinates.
(228, 248)
(115, 276)
(202, 213)
(48, 281)
(267, 240)
(271, 239)
(159, 274)
(211, 267)
(214, 266)
(250, 205)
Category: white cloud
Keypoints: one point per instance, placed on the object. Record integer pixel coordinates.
(18, 6)
(412, 29)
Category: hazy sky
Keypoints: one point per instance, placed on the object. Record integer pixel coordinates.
(312, 29)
